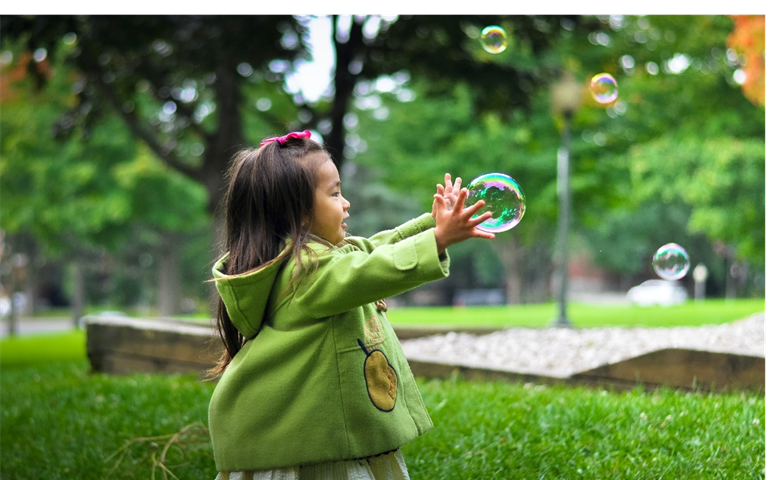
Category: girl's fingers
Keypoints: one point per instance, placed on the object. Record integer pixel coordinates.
(477, 220)
(439, 189)
(457, 183)
(473, 209)
(461, 199)
(448, 180)
(480, 234)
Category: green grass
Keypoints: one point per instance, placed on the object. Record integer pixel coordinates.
(42, 347)
(580, 315)
(499, 430)
(62, 422)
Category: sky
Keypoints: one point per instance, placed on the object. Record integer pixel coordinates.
(313, 78)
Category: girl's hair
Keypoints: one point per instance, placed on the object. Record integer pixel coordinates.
(269, 200)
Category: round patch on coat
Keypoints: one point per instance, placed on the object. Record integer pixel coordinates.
(381, 379)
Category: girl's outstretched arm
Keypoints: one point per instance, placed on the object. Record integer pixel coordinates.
(456, 225)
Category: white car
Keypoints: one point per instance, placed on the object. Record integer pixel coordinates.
(657, 292)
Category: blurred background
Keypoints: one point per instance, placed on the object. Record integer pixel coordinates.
(115, 133)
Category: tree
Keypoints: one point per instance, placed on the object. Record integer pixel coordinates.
(181, 84)
(165, 75)
(672, 72)
(177, 82)
(680, 113)
(194, 88)
(748, 40)
(721, 179)
(79, 196)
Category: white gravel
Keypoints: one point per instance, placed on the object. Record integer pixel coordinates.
(561, 352)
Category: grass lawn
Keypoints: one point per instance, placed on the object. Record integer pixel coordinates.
(61, 422)
(42, 347)
(581, 315)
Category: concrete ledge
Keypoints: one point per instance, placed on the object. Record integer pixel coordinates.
(684, 368)
(426, 368)
(125, 345)
(678, 368)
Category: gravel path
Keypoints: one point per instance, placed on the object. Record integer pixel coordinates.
(561, 352)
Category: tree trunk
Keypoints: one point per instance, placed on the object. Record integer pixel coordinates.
(77, 303)
(31, 289)
(222, 145)
(344, 85)
(14, 313)
(168, 280)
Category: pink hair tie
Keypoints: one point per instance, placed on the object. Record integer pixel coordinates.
(281, 140)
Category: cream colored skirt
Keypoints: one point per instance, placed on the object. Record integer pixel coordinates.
(390, 466)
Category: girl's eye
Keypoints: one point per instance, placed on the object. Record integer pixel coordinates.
(336, 194)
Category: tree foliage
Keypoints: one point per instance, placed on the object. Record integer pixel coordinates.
(175, 81)
(676, 81)
(181, 83)
(85, 191)
(135, 99)
(678, 106)
(721, 179)
(748, 39)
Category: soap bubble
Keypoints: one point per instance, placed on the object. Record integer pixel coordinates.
(604, 88)
(671, 262)
(503, 198)
(493, 39)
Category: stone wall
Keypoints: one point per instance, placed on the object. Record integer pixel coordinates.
(123, 345)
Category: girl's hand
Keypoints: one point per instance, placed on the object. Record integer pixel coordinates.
(448, 192)
(455, 224)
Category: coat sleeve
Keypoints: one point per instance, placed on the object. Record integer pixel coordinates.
(349, 277)
(412, 227)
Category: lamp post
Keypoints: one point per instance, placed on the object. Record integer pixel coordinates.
(565, 98)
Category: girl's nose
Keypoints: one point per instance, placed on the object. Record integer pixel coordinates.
(346, 204)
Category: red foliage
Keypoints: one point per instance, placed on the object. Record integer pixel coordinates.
(749, 38)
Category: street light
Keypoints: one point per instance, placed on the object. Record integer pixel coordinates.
(565, 99)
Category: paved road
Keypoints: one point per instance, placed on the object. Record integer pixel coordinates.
(28, 325)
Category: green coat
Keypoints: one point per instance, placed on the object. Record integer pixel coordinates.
(323, 377)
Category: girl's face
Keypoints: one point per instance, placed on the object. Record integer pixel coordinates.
(330, 208)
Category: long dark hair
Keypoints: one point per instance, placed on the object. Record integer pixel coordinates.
(269, 200)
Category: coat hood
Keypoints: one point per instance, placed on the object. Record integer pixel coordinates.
(246, 296)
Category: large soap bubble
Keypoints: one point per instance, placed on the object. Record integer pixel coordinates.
(503, 198)
(671, 262)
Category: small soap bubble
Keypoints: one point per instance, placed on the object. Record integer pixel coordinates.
(503, 198)
(604, 88)
(671, 262)
(493, 39)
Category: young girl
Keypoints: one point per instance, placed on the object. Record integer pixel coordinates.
(313, 382)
